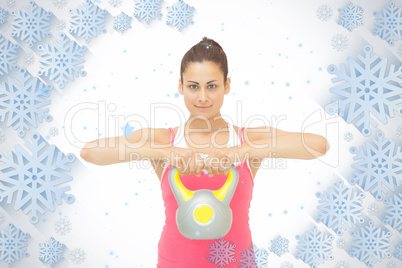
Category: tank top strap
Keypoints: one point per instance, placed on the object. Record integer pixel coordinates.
(241, 135)
(171, 136)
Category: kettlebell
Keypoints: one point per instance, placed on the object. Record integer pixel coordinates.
(204, 214)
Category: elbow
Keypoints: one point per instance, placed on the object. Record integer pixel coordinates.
(325, 146)
(84, 154)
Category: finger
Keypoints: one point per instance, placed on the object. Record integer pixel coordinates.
(208, 166)
(191, 163)
(199, 165)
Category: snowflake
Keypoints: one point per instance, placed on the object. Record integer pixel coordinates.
(370, 244)
(380, 168)
(180, 15)
(373, 209)
(221, 252)
(279, 245)
(340, 243)
(350, 16)
(10, 3)
(3, 15)
(31, 24)
(314, 246)
(34, 179)
(148, 10)
(339, 42)
(8, 59)
(77, 256)
(389, 23)
(367, 89)
(13, 243)
(62, 61)
(248, 258)
(391, 264)
(324, 12)
(398, 251)
(348, 136)
(341, 207)
(393, 212)
(59, 3)
(261, 257)
(342, 264)
(28, 59)
(115, 3)
(3, 136)
(287, 265)
(53, 131)
(62, 226)
(399, 132)
(61, 25)
(21, 101)
(87, 20)
(122, 22)
(51, 252)
(2, 218)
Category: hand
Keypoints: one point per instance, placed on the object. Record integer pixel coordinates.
(187, 162)
(219, 162)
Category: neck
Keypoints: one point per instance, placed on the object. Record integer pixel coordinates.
(203, 124)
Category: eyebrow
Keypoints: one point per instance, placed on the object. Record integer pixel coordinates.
(198, 83)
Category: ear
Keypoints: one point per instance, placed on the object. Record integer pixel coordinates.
(180, 87)
(227, 85)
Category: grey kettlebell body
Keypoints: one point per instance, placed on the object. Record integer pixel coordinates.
(204, 214)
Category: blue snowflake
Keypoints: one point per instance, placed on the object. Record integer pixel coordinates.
(13, 243)
(367, 89)
(261, 257)
(389, 24)
(221, 252)
(3, 15)
(341, 207)
(51, 252)
(122, 22)
(21, 101)
(350, 16)
(148, 10)
(380, 168)
(34, 178)
(87, 20)
(370, 244)
(393, 212)
(62, 61)
(248, 259)
(180, 15)
(279, 245)
(314, 246)
(398, 251)
(31, 24)
(8, 59)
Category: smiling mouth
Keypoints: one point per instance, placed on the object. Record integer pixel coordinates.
(202, 106)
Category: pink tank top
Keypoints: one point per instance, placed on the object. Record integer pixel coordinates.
(235, 249)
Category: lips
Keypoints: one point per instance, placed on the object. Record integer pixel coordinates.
(202, 106)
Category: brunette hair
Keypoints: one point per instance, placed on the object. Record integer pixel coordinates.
(205, 50)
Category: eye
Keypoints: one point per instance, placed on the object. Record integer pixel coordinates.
(214, 86)
(191, 86)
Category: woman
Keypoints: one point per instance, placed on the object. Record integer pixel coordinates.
(203, 83)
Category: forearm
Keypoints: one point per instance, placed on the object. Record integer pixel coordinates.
(293, 145)
(109, 151)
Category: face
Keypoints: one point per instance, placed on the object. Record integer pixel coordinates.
(203, 86)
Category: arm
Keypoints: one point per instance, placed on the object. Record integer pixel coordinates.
(121, 149)
(280, 144)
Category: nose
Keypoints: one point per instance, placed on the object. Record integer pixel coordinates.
(203, 95)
